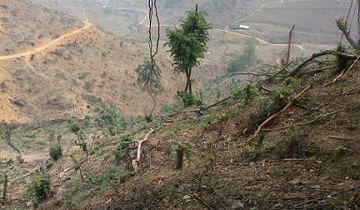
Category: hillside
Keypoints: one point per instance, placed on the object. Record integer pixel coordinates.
(73, 120)
(315, 28)
(306, 157)
(314, 19)
(51, 76)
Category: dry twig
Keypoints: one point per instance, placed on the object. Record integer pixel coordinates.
(326, 196)
(136, 162)
(202, 202)
(307, 123)
(308, 61)
(275, 115)
(343, 73)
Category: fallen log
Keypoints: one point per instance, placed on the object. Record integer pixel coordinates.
(11, 145)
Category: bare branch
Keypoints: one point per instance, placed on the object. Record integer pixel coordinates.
(289, 46)
(137, 161)
(343, 73)
(305, 63)
(283, 110)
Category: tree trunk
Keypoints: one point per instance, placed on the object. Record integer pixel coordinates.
(179, 158)
(359, 19)
(5, 188)
(189, 79)
(58, 138)
(289, 46)
(343, 28)
(188, 83)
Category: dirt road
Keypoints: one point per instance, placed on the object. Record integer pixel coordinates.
(46, 45)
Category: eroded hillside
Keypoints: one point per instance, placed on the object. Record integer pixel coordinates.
(51, 76)
(305, 157)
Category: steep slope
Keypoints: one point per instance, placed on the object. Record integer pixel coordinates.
(53, 75)
(307, 156)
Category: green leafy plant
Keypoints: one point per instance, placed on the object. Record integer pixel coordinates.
(187, 98)
(182, 148)
(77, 167)
(38, 188)
(55, 152)
(111, 119)
(223, 118)
(200, 106)
(149, 80)
(291, 80)
(294, 142)
(244, 94)
(121, 150)
(149, 117)
(280, 96)
(341, 63)
(340, 151)
(20, 159)
(253, 151)
(207, 122)
(49, 162)
(32, 135)
(188, 43)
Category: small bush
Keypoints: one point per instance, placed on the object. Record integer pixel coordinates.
(70, 121)
(187, 98)
(75, 127)
(49, 162)
(20, 159)
(55, 152)
(291, 80)
(31, 135)
(86, 123)
(38, 188)
(280, 96)
(244, 94)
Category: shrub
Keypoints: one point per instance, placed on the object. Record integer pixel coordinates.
(187, 98)
(244, 94)
(291, 80)
(49, 162)
(70, 121)
(31, 135)
(86, 123)
(111, 119)
(55, 152)
(20, 159)
(38, 187)
(200, 106)
(149, 117)
(280, 97)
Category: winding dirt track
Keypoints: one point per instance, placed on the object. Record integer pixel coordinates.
(52, 42)
(88, 24)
